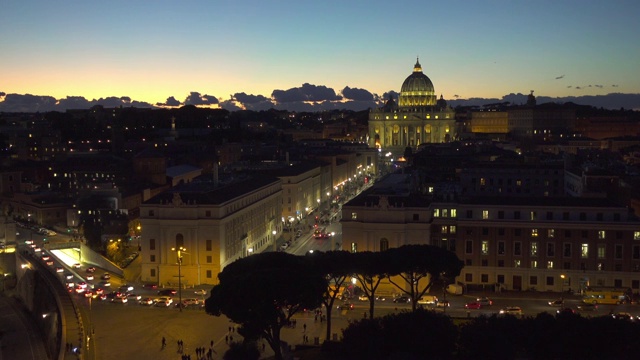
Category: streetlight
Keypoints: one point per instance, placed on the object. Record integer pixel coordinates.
(562, 288)
(180, 250)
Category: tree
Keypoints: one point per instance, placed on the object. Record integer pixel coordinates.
(370, 270)
(419, 266)
(338, 268)
(262, 292)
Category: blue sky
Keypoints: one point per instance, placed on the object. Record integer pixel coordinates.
(151, 50)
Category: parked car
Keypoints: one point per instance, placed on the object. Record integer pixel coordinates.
(473, 305)
(191, 301)
(587, 307)
(428, 300)
(511, 310)
(484, 301)
(91, 269)
(200, 292)
(402, 299)
(162, 303)
(565, 310)
(134, 297)
(623, 316)
(119, 299)
(76, 266)
(443, 303)
(164, 299)
(146, 301)
(105, 276)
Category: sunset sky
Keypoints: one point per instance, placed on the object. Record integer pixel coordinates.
(151, 50)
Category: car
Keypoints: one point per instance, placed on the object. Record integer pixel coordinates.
(443, 303)
(162, 303)
(79, 289)
(167, 292)
(402, 300)
(104, 283)
(587, 307)
(59, 269)
(363, 298)
(150, 286)
(346, 306)
(76, 266)
(484, 301)
(135, 297)
(102, 297)
(105, 276)
(91, 269)
(165, 299)
(511, 310)
(121, 300)
(90, 277)
(46, 257)
(146, 301)
(557, 302)
(99, 291)
(200, 292)
(565, 310)
(29, 242)
(37, 249)
(49, 262)
(473, 305)
(623, 316)
(126, 287)
(82, 284)
(428, 300)
(68, 276)
(90, 294)
(190, 301)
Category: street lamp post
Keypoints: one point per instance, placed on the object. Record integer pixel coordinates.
(562, 288)
(180, 250)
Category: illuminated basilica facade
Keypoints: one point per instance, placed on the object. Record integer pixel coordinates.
(418, 117)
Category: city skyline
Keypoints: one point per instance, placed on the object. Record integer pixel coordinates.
(209, 52)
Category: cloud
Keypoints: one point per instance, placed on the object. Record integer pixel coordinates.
(357, 94)
(306, 92)
(249, 99)
(2, 93)
(171, 101)
(196, 99)
(391, 93)
(28, 103)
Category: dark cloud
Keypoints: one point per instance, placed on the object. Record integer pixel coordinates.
(249, 99)
(196, 99)
(28, 103)
(357, 94)
(391, 93)
(171, 101)
(306, 92)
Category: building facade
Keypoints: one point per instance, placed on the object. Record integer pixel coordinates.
(418, 117)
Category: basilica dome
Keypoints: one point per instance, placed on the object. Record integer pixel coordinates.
(417, 90)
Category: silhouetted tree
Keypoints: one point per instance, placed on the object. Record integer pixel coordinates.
(262, 292)
(246, 350)
(371, 268)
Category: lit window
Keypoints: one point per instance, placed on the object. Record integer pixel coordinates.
(444, 229)
(518, 182)
(585, 251)
(551, 233)
(430, 189)
(533, 215)
(601, 251)
(516, 263)
(534, 264)
(482, 181)
(549, 264)
(534, 249)
(436, 212)
(452, 229)
(534, 232)
(445, 213)
(354, 216)
(485, 247)
(636, 235)
(455, 214)
(485, 214)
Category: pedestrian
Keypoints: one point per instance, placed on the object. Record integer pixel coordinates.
(229, 329)
(164, 342)
(230, 338)
(226, 339)
(304, 327)
(212, 343)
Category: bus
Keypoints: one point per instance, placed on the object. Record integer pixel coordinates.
(605, 295)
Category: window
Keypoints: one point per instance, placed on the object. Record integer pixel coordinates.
(617, 283)
(179, 241)
(468, 262)
(584, 251)
(152, 244)
(500, 214)
(416, 217)
(517, 248)
(636, 235)
(618, 251)
(600, 267)
(485, 247)
(635, 284)
(533, 280)
(567, 233)
(452, 229)
(354, 247)
(565, 216)
(635, 252)
(583, 216)
(454, 213)
(549, 264)
(469, 214)
(566, 265)
(566, 250)
(551, 233)
(485, 231)
(436, 212)
(599, 217)
(468, 278)
(485, 262)
(517, 232)
(209, 259)
(208, 274)
(534, 232)
(207, 213)
(485, 214)
(445, 213)
(550, 280)
(208, 245)
(533, 216)
(601, 235)
(354, 216)
(444, 229)
(501, 231)
(500, 263)
(501, 247)
(601, 251)
(534, 248)
(468, 247)
(549, 215)
(152, 272)
(151, 213)
(484, 278)
(500, 279)
(551, 249)
(384, 244)
(516, 215)
(516, 263)
(152, 258)
(534, 264)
